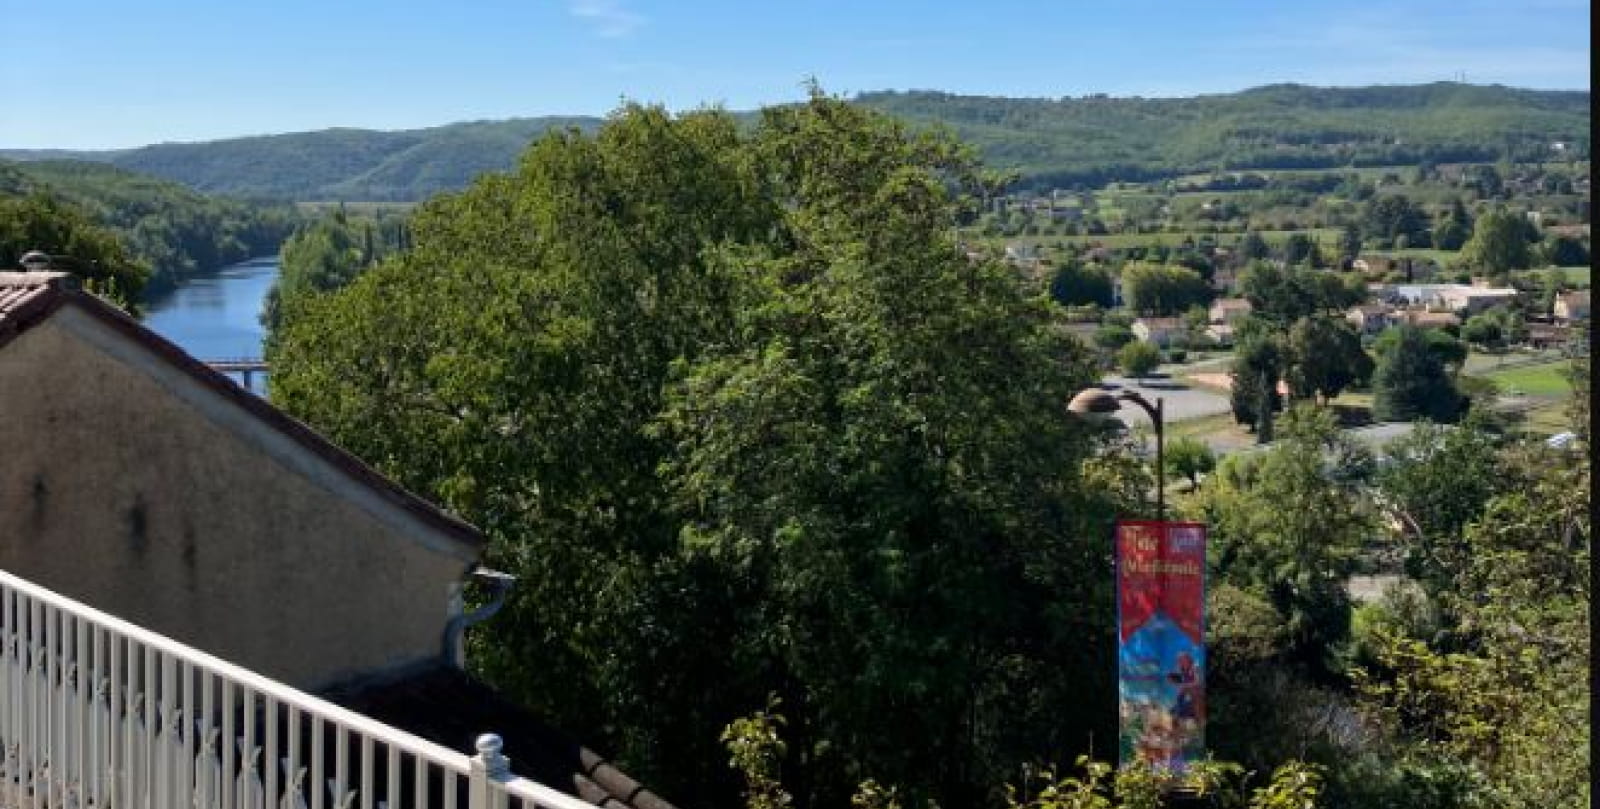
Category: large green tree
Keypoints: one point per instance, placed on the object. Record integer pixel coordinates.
(1295, 557)
(736, 410)
(1281, 296)
(1391, 217)
(1504, 695)
(1501, 242)
(1435, 483)
(319, 257)
(1257, 368)
(1077, 283)
(1324, 356)
(1411, 382)
(1162, 289)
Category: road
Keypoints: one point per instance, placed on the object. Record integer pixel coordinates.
(1179, 401)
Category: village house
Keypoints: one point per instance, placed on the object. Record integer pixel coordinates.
(1474, 299)
(1570, 306)
(1545, 335)
(1461, 298)
(1371, 318)
(1220, 334)
(1228, 311)
(205, 531)
(1162, 331)
(1423, 319)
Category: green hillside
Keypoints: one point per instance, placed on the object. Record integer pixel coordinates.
(175, 230)
(1052, 142)
(1096, 139)
(334, 164)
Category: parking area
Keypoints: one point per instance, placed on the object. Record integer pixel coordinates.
(1179, 400)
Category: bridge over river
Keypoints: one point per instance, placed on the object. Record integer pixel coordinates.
(243, 366)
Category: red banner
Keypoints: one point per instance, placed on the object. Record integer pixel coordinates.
(1161, 641)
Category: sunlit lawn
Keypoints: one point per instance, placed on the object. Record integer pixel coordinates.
(1545, 379)
(1578, 275)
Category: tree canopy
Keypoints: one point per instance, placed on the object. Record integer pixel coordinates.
(1162, 290)
(1411, 381)
(60, 229)
(1501, 242)
(712, 388)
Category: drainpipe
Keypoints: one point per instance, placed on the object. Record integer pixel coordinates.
(500, 586)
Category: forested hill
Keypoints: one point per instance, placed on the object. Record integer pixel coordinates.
(1052, 142)
(1094, 139)
(338, 164)
(175, 231)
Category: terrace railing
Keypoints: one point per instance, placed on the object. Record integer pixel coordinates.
(98, 713)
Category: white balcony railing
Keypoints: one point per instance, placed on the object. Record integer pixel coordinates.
(97, 712)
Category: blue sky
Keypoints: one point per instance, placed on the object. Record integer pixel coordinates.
(108, 73)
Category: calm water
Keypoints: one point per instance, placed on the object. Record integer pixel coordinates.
(217, 316)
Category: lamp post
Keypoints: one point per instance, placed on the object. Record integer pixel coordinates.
(35, 261)
(1094, 404)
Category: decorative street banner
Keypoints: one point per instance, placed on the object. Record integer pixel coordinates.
(1161, 653)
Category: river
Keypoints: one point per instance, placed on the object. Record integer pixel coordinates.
(217, 316)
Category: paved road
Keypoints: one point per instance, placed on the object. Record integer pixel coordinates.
(1179, 401)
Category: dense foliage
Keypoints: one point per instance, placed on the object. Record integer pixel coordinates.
(1163, 290)
(1411, 380)
(1464, 683)
(172, 230)
(74, 243)
(736, 411)
(328, 253)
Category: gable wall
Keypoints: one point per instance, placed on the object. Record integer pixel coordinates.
(128, 485)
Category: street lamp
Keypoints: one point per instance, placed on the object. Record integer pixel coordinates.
(1095, 404)
(35, 261)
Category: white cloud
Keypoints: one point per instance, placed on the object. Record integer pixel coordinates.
(609, 18)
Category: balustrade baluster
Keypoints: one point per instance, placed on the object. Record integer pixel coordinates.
(318, 765)
(269, 768)
(228, 745)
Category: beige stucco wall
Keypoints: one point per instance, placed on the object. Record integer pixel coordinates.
(127, 485)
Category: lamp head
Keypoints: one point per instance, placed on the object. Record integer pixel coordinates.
(35, 261)
(1093, 405)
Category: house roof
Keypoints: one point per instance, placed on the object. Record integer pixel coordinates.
(1159, 322)
(448, 707)
(1231, 303)
(29, 298)
(1432, 318)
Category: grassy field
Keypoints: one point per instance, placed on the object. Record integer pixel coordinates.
(1481, 364)
(1545, 379)
(1444, 258)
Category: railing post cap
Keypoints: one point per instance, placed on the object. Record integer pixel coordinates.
(489, 744)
